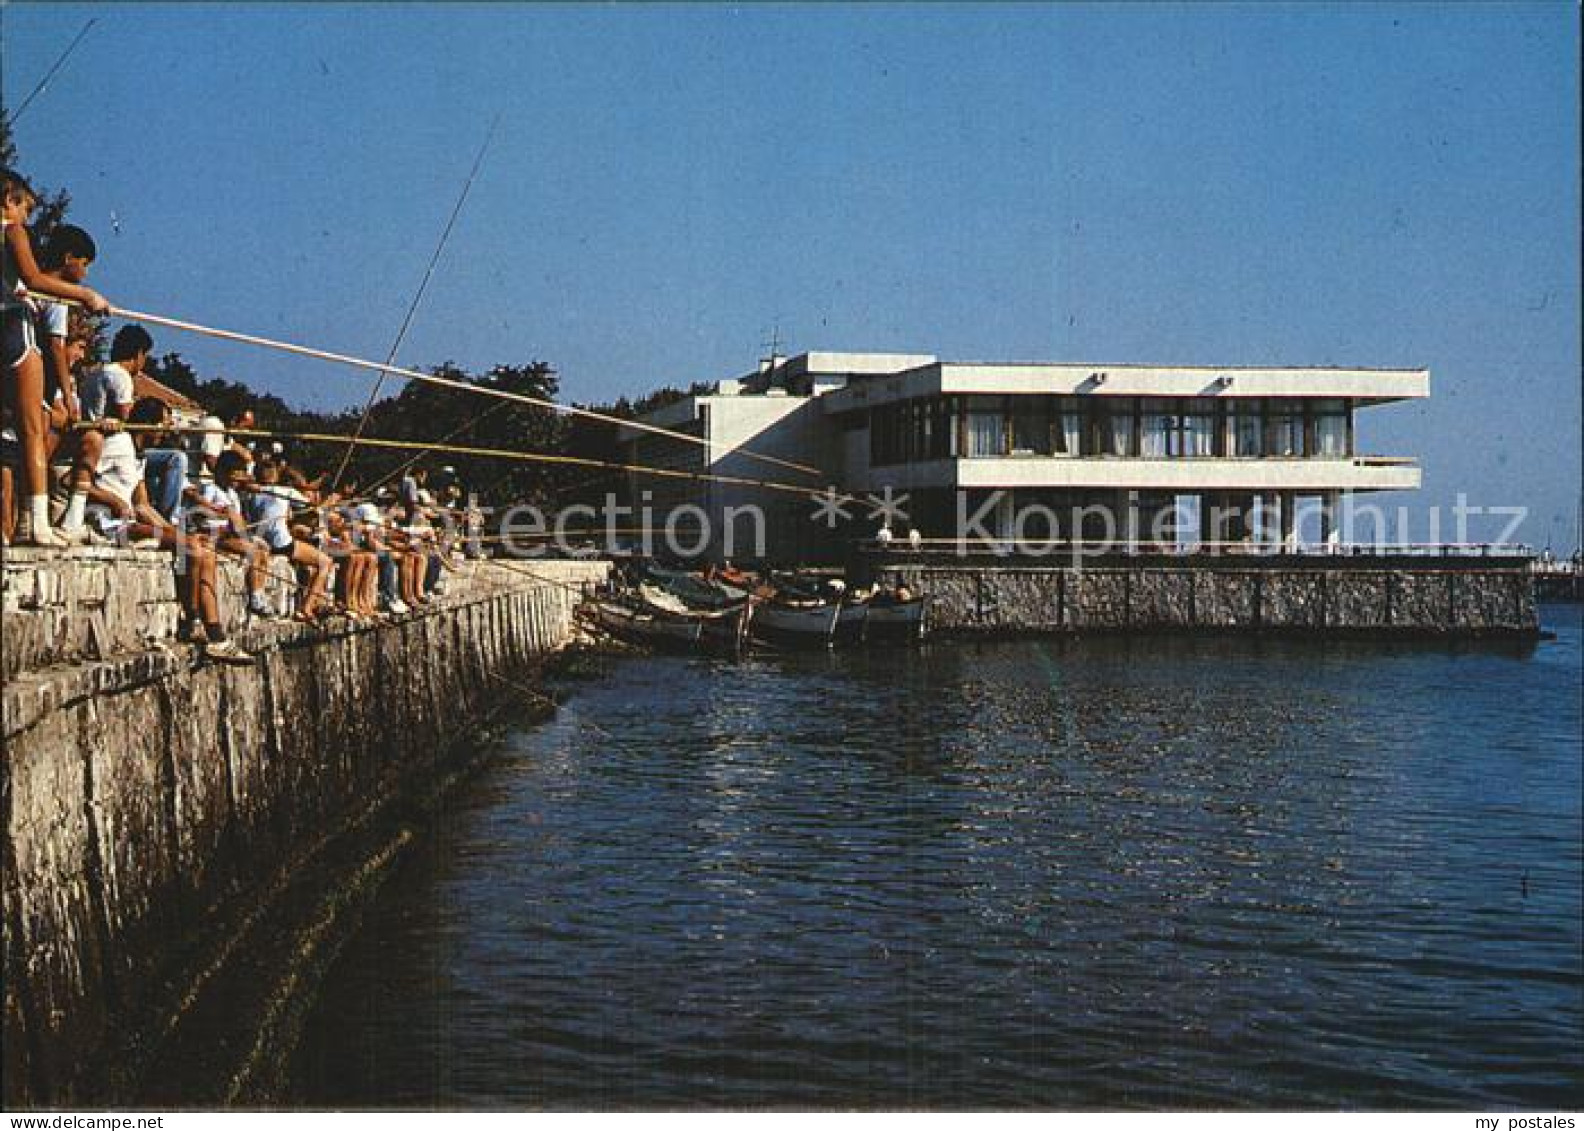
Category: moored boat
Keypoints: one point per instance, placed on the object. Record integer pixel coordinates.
(723, 616)
(892, 616)
(851, 620)
(643, 623)
(726, 630)
(795, 624)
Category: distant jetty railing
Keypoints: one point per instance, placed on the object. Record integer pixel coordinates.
(1558, 580)
(926, 548)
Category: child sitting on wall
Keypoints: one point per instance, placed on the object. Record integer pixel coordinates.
(218, 514)
(268, 508)
(134, 518)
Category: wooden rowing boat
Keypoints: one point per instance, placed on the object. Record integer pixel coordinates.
(644, 624)
(799, 625)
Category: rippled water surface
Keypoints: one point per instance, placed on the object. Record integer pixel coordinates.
(1104, 873)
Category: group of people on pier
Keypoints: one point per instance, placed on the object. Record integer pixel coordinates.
(85, 460)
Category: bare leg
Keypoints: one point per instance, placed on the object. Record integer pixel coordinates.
(7, 504)
(31, 423)
(26, 389)
(317, 566)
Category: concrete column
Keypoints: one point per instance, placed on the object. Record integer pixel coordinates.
(1211, 522)
(1289, 519)
(1330, 514)
(1242, 524)
(1258, 517)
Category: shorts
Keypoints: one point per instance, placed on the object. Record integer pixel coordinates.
(104, 520)
(282, 551)
(17, 337)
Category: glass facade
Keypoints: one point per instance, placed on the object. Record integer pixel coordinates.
(946, 427)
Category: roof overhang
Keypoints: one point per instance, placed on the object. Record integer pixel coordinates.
(1366, 386)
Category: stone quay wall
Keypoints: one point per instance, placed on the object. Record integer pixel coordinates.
(1390, 596)
(147, 793)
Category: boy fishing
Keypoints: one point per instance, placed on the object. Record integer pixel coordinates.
(22, 362)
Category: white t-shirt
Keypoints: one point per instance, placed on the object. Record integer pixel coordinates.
(221, 499)
(269, 510)
(55, 320)
(104, 389)
(211, 443)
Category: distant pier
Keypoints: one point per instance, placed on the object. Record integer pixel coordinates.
(1558, 581)
(1395, 592)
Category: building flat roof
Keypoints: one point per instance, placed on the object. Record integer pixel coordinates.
(1069, 379)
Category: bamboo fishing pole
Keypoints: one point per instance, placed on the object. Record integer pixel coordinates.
(485, 453)
(401, 334)
(428, 379)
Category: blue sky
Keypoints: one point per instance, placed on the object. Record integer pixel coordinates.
(1216, 184)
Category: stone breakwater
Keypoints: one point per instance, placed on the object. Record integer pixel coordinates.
(1343, 596)
(154, 803)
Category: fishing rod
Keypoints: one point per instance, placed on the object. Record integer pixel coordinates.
(427, 378)
(401, 334)
(455, 432)
(49, 74)
(486, 453)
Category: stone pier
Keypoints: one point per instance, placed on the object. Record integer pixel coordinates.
(149, 797)
(1377, 595)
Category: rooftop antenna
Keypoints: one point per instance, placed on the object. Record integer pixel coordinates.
(767, 364)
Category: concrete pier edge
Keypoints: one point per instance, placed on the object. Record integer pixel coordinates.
(1311, 596)
(155, 804)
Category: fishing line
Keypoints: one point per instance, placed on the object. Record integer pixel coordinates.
(401, 335)
(487, 453)
(430, 379)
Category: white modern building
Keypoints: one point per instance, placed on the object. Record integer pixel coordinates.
(1029, 452)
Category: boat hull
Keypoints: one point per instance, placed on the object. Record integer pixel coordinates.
(727, 630)
(811, 627)
(645, 626)
(850, 623)
(900, 620)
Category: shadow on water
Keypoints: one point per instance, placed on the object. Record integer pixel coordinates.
(1122, 872)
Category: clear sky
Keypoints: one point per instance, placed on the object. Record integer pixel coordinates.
(1214, 184)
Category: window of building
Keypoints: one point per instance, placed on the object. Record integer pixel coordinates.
(1157, 426)
(951, 427)
(1198, 431)
(1068, 427)
(1116, 429)
(986, 431)
(1284, 426)
(1245, 426)
(1331, 428)
(1031, 426)
(884, 442)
